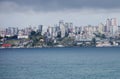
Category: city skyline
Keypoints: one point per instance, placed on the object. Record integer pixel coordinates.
(62, 34)
(57, 23)
(17, 13)
(110, 26)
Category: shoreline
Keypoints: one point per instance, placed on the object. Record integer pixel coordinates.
(60, 47)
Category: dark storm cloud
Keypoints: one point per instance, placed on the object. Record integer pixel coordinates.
(56, 5)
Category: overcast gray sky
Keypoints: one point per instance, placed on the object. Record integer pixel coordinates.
(22, 13)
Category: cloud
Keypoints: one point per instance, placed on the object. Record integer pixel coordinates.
(57, 5)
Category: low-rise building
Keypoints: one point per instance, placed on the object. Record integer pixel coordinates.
(6, 45)
(23, 36)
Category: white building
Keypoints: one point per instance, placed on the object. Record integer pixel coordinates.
(114, 25)
(101, 28)
(44, 29)
(23, 36)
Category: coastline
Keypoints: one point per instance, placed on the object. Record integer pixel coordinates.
(60, 47)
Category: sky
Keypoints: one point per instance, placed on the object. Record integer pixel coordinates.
(24, 13)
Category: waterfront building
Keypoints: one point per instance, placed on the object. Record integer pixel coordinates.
(23, 36)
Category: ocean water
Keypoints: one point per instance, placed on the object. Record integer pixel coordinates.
(60, 63)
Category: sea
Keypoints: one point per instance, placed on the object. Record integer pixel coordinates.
(60, 63)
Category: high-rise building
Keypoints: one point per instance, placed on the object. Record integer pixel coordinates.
(15, 31)
(76, 30)
(71, 27)
(62, 28)
(54, 32)
(2, 32)
(11, 31)
(49, 30)
(40, 27)
(119, 29)
(66, 28)
(112, 26)
(108, 25)
(101, 28)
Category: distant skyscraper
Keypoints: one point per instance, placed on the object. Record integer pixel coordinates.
(108, 25)
(114, 22)
(66, 28)
(112, 26)
(76, 30)
(40, 27)
(62, 28)
(71, 27)
(11, 31)
(15, 31)
(49, 30)
(119, 29)
(101, 28)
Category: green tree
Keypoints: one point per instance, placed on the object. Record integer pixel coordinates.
(33, 33)
(103, 36)
(93, 42)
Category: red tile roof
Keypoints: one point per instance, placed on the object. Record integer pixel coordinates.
(6, 45)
